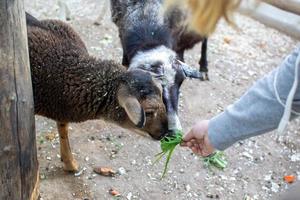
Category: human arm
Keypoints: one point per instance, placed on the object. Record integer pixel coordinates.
(258, 111)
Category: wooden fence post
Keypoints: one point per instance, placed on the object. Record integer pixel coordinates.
(18, 155)
(272, 16)
(292, 6)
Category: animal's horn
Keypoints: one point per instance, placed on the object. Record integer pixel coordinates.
(190, 72)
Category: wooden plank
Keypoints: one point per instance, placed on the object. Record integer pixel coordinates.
(18, 156)
(269, 15)
(287, 5)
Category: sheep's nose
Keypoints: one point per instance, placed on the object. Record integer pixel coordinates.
(159, 137)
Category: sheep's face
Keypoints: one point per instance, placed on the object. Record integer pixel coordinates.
(141, 97)
(163, 65)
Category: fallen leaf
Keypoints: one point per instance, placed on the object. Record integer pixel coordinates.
(114, 193)
(227, 40)
(289, 178)
(50, 136)
(104, 171)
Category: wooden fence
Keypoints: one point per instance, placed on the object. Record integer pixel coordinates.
(18, 156)
(283, 15)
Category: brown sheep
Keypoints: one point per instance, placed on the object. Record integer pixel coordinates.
(71, 86)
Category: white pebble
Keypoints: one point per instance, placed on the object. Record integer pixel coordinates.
(275, 187)
(187, 187)
(129, 196)
(295, 157)
(121, 171)
(133, 162)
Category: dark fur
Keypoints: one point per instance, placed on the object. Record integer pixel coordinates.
(71, 86)
(133, 15)
(144, 37)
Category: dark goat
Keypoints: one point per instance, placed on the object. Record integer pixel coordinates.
(71, 86)
(155, 41)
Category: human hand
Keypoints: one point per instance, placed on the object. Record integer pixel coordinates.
(197, 139)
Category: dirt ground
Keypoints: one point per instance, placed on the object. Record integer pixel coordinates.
(237, 57)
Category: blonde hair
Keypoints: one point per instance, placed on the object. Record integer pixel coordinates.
(205, 14)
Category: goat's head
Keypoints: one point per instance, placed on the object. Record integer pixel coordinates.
(140, 95)
(164, 66)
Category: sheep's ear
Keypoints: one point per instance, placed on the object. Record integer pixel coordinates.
(132, 107)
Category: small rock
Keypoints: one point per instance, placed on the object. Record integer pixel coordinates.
(87, 159)
(129, 196)
(211, 196)
(223, 177)
(245, 77)
(133, 162)
(265, 188)
(107, 39)
(298, 176)
(181, 171)
(227, 40)
(151, 177)
(236, 171)
(175, 185)
(42, 176)
(247, 197)
(268, 177)
(92, 138)
(187, 187)
(251, 73)
(247, 155)
(112, 156)
(274, 187)
(295, 157)
(80, 172)
(121, 171)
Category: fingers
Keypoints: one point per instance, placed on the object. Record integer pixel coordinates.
(189, 136)
(198, 131)
(194, 145)
(197, 139)
(188, 143)
(195, 150)
(199, 147)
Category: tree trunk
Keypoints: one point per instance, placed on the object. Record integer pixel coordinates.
(287, 5)
(18, 155)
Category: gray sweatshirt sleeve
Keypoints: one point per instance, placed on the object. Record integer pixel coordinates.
(257, 111)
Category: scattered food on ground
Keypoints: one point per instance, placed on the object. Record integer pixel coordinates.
(105, 171)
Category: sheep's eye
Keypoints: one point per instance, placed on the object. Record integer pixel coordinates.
(150, 113)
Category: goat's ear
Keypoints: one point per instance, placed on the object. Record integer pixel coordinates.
(189, 71)
(132, 107)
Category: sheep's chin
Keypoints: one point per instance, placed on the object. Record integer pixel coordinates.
(140, 132)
